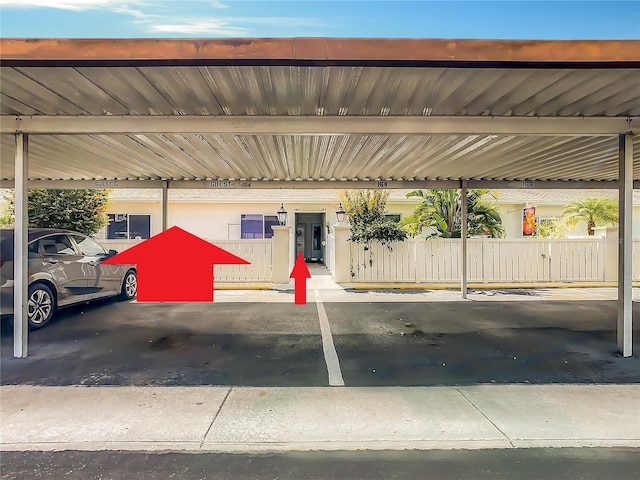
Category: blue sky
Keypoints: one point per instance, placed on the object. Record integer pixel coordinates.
(320, 18)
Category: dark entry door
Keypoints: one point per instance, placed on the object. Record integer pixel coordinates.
(310, 236)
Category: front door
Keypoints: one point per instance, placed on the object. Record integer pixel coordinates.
(310, 236)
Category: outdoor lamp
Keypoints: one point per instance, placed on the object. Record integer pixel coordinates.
(282, 215)
(340, 214)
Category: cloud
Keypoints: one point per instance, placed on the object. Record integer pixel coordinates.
(208, 27)
(227, 26)
(162, 17)
(76, 5)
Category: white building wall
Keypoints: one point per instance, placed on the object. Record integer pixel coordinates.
(221, 221)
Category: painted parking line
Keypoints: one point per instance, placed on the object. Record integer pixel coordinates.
(330, 354)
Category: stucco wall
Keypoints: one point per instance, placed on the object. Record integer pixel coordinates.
(220, 221)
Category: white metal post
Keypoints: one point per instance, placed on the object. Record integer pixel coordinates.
(165, 204)
(463, 237)
(625, 246)
(20, 254)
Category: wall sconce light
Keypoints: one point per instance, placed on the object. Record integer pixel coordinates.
(282, 215)
(340, 214)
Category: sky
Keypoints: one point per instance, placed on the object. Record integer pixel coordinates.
(515, 19)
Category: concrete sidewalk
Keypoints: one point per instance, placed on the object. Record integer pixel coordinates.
(223, 419)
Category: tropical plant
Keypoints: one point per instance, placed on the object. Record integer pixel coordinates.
(80, 210)
(594, 211)
(439, 212)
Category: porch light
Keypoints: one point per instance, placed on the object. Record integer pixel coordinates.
(340, 214)
(282, 215)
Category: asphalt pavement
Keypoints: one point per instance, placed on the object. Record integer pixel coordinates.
(260, 338)
(497, 464)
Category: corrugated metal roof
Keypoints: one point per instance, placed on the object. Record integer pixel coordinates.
(329, 90)
(397, 157)
(337, 90)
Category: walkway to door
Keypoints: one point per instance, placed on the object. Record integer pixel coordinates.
(321, 278)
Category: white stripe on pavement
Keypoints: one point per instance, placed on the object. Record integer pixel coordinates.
(330, 354)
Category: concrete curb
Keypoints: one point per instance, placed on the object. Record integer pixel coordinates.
(423, 286)
(480, 286)
(275, 419)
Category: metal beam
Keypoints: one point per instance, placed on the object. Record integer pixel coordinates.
(317, 125)
(625, 246)
(320, 184)
(87, 184)
(20, 253)
(391, 184)
(311, 184)
(544, 184)
(322, 51)
(463, 237)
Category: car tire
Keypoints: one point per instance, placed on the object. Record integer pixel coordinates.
(129, 286)
(41, 304)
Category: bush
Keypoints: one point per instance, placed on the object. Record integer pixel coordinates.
(365, 210)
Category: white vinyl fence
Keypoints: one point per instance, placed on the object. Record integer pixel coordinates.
(489, 260)
(258, 252)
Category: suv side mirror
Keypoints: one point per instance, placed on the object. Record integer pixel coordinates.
(112, 253)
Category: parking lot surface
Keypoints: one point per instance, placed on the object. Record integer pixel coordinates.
(381, 339)
(115, 343)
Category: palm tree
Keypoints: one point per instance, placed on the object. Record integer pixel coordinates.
(441, 211)
(593, 211)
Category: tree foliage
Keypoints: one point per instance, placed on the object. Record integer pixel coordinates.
(594, 211)
(365, 211)
(553, 227)
(439, 211)
(80, 210)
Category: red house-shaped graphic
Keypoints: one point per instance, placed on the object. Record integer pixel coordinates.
(175, 266)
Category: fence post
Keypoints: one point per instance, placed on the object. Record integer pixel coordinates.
(610, 257)
(342, 246)
(280, 255)
(555, 252)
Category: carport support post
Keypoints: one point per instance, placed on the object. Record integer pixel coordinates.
(463, 237)
(20, 253)
(281, 247)
(625, 245)
(165, 204)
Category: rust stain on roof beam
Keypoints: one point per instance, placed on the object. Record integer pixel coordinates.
(319, 50)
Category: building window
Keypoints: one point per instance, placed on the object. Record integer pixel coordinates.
(123, 226)
(257, 225)
(394, 217)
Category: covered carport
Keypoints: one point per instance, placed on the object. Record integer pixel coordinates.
(320, 113)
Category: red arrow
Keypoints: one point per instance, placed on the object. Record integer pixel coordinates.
(175, 266)
(300, 273)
